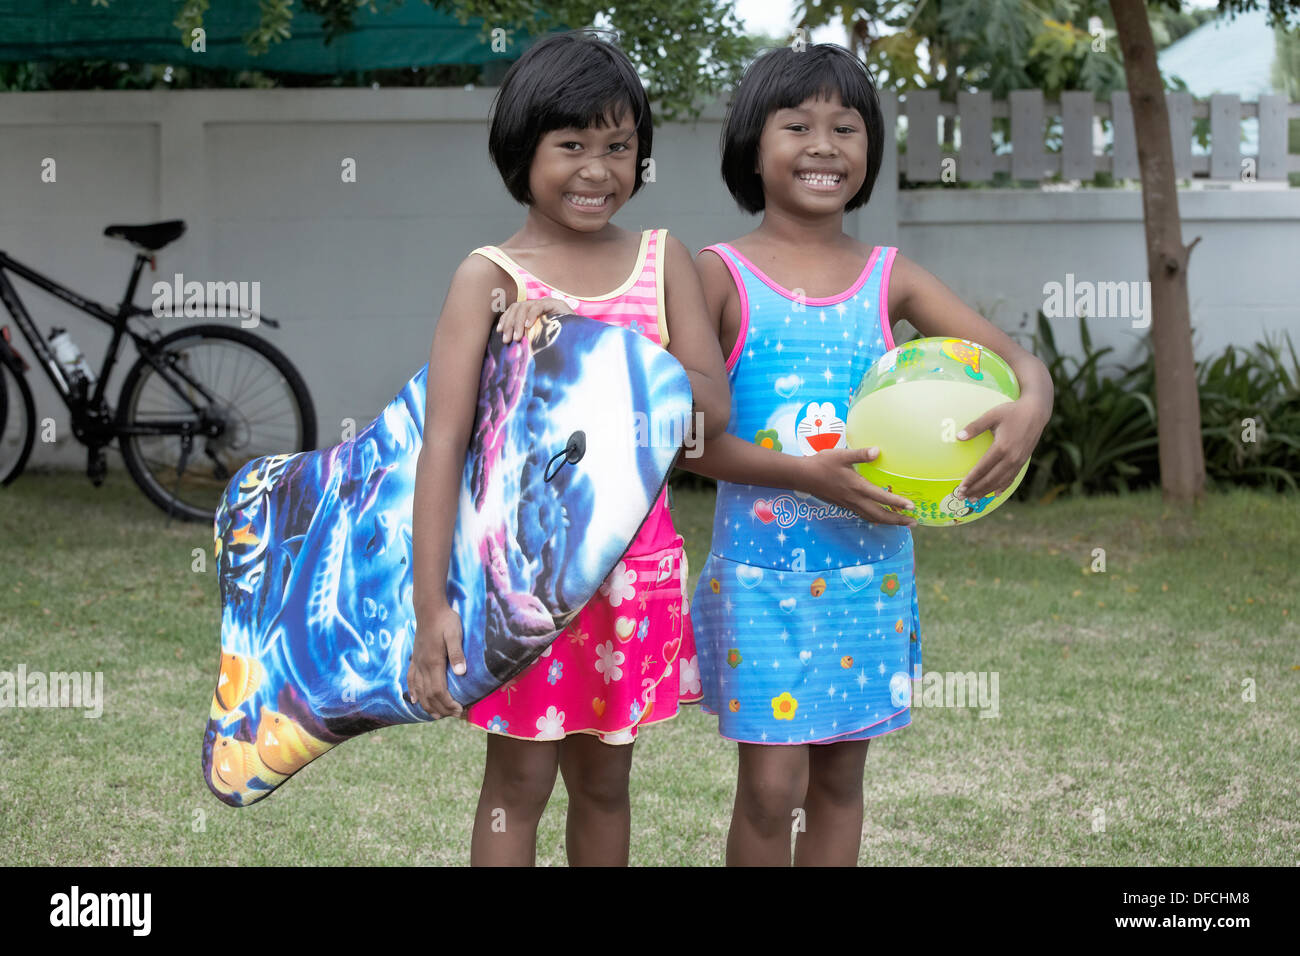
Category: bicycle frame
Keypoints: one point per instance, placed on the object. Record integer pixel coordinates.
(86, 411)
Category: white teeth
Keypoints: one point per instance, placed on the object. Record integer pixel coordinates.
(820, 179)
(586, 200)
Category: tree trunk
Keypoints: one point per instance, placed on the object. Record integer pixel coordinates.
(1182, 459)
(951, 87)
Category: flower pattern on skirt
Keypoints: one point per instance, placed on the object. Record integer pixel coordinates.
(628, 658)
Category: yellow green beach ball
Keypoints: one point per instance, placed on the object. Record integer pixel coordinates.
(911, 404)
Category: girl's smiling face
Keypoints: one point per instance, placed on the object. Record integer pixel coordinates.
(580, 177)
(813, 157)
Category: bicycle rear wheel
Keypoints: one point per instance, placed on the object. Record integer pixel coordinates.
(244, 385)
(17, 423)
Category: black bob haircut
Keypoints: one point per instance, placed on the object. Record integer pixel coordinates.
(574, 79)
(783, 78)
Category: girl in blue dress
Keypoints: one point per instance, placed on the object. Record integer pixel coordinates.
(806, 613)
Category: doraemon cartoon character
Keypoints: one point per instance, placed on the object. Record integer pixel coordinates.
(820, 429)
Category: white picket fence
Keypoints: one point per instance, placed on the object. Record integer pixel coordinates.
(1082, 154)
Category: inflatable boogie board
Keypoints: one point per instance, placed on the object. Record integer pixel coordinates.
(577, 428)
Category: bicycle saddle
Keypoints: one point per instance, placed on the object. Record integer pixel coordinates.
(153, 236)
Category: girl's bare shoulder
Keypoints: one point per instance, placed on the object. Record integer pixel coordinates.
(905, 276)
(712, 266)
(745, 245)
(476, 271)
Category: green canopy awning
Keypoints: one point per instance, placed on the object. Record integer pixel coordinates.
(142, 31)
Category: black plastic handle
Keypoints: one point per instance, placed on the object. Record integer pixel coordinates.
(571, 454)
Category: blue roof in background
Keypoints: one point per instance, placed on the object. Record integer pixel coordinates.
(1224, 56)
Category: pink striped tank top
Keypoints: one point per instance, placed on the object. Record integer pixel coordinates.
(637, 304)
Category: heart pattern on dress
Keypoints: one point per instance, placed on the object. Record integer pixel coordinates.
(857, 578)
(671, 648)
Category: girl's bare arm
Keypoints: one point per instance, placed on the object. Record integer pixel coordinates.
(455, 365)
(693, 339)
(935, 310)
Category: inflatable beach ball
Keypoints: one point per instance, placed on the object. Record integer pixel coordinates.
(911, 404)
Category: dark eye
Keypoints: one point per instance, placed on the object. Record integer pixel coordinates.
(565, 146)
(796, 126)
(619, 148)
(845, 129)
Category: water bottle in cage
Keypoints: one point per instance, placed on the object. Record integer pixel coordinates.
(70, 359)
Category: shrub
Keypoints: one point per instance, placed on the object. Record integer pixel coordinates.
(1102, 435)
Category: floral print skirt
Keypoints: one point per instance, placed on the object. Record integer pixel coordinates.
(628, 658)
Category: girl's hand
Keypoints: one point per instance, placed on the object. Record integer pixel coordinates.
(1016, 427)
(832, 477)
(934, 310)
(516, 320)
(437, 641)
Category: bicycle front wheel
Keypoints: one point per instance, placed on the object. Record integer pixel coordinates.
(219, 379)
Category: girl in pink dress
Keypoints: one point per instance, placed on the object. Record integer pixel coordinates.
(571, 133)
(609, 673)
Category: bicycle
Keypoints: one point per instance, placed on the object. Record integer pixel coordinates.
(191, 385)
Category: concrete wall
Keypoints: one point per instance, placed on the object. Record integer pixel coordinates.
(998, 248)
(357, 271)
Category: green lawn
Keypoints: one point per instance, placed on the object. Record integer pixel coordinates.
(1121, 697)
